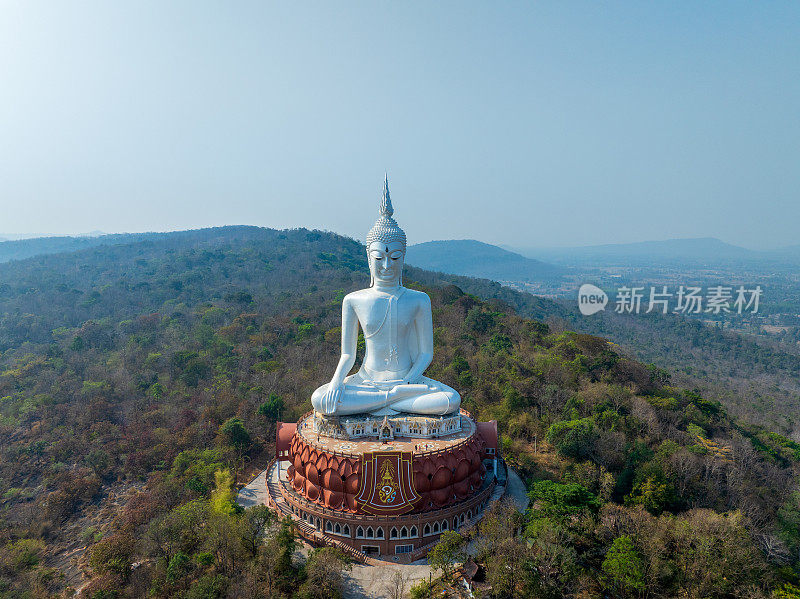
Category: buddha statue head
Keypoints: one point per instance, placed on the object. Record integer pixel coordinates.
(386, 246)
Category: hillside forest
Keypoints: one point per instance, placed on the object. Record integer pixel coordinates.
(141, 382)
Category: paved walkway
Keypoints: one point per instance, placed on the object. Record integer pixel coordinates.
(255, 493)
(369, 582)
(516, 491)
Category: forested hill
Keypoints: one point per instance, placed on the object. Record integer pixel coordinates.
(759, 383)
(42, 295)
(138, 381)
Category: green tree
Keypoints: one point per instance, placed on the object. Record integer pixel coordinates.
(254, 523)
(478, 321)
(178, 567)
(182, 529)
(653, 493)
(501, 342)
(789, 520)
(156, 391)
(222, 497)
(285, 543)
(235, 433)
(208, 587)
(324, 574)
(447, 552)
(623, 566)
(507, 567)
(272, 408)
(561, 502)
(789, 591)
(99, 461)
(422, 590)
(552, 562)
(573, 438)
(195, 468)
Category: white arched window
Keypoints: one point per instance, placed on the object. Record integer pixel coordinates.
(328, 526)
(404, 533)
(379, 533)
(435, 527)
(359, 533)
(346, 530)
(427, 529)
(393, 533)
(370, 533)
(445, 525)
(336, 528)
(414, 531)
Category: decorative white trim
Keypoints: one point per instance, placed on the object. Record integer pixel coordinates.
(402, 425)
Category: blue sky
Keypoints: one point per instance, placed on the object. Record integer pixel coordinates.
(523, 123)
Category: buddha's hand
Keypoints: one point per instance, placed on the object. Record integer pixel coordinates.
(331, 397)
(403, 391)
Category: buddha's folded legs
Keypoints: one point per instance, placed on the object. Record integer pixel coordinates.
(437, 403)
(429, 397)
(355, 399)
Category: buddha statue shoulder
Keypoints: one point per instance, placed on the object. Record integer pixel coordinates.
(398, 333)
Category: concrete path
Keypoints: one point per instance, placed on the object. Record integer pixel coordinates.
(516, 491)
(255, 493)
(369, 582)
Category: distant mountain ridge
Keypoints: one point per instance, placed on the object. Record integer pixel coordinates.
(471, 258)
(19, 249)
(705, 250)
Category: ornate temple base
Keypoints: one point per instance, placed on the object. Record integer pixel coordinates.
(386, 427)
(384, 494)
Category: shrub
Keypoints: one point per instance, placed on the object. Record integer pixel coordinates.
(113, 555)
(422, 590)
(235, 433)
(208, 587)
(573, 438)
(272, 408)
(623, 566)
(561, 502)
(23, 554)
(222, 497)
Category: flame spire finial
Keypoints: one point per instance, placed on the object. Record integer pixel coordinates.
(386, 203)
(386, 229)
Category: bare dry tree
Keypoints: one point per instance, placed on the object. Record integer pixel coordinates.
(396, 586)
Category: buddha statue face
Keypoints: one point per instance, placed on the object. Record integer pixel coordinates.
(386, 262)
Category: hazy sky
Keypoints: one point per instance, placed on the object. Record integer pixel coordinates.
(525, 123)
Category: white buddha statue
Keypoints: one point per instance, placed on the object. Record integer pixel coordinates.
(398, 331)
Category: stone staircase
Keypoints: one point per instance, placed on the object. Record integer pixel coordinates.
(305, 530)
(274, 489)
